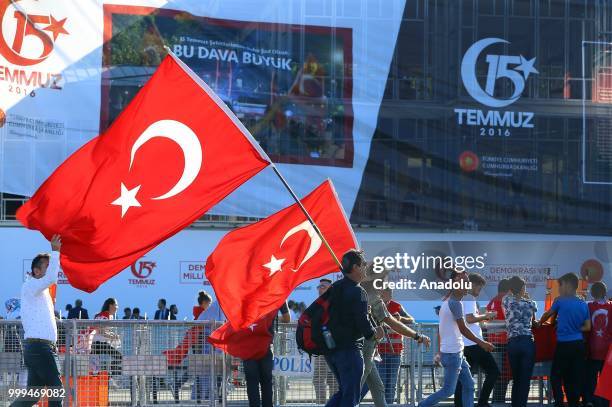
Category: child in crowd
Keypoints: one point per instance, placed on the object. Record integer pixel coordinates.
(520, 311)
(598, 340)
(572, 315)
(452, 329)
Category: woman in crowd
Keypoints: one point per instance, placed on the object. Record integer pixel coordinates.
(520, 312)
(106, 341)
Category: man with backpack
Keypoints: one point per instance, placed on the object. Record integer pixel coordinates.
(349, 327)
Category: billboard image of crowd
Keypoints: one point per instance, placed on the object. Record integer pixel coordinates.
(293, 92)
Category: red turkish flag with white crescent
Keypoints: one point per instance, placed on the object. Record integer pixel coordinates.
(173, 153)
(254, 269)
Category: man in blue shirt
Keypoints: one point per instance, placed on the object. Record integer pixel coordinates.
(349, 325)
(572, 314)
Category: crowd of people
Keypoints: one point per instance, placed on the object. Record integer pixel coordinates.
(367, 330)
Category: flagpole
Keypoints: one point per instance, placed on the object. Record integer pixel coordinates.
(310, 219)
(256, 145)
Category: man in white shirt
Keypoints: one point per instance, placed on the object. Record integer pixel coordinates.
(452, 329)
(477, 357)
(39, 326)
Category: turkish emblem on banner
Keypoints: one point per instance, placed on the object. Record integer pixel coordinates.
(34, 35)
(173, 153)
(254, 269)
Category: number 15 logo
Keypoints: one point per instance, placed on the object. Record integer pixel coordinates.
(28, 25)
(499, 67)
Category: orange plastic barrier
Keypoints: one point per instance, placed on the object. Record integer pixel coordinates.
(92, 391)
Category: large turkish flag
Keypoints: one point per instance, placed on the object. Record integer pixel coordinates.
(254, 269)
(173, 153)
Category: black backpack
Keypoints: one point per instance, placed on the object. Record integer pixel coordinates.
(309, 332)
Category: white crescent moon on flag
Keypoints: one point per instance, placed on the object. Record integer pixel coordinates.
(187, 140)
(603, 312)
(315, 240)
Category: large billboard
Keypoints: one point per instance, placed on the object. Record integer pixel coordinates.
(293, 92)
(306, 79)
(506, 127)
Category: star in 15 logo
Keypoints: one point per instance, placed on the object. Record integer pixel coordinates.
(514, 68)
(27, 38)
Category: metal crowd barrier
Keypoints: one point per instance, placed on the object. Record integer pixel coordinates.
(142, 363)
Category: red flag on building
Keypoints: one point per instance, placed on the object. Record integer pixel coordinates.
(252, 342)
(173, 153)
(254, 269)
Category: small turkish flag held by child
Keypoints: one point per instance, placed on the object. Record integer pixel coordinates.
(173, 153)
(254, 269)
(604, 385)
(248, 343)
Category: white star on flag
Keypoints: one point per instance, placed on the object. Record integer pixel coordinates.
(127, 199)
(252, 327)
(274, 265)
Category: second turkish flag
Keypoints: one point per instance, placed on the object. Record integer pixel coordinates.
(254, 269)
(173, 153)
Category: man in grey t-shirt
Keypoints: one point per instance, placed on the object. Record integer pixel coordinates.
(380, 315)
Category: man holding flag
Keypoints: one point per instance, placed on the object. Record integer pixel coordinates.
(40, 329)
(258, 371)
(282, 251)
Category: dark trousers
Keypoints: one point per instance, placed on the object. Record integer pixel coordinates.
(103, 348)
(568, 371)
(521, 353)
(593, 370)
(478, 358)
(259, 373)
(43, 370)
(347, 366)
(179, 375)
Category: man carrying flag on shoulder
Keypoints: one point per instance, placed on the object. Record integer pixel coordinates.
(254, 346)
(282, 251)
(39, 326)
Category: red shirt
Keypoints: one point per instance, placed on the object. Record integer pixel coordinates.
(495, 305)
(197, 310)
(104, 315)
(396, 346)
(600, 336)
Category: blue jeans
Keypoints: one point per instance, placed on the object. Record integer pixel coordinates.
(43, 370)
(347, 366)
(389, 370)
(521, 354)
(456, 368)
